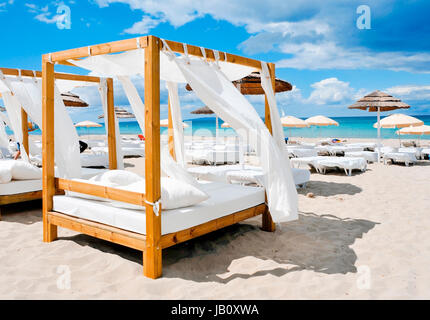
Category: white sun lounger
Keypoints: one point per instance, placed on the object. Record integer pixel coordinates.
(321, 163)
(414, 150)
(425, 151)
(368, 155)
(87, 160)
(300, 153)
(224, 199)
(242, 174)
(367, 146)
(126, 151)
(405, 157)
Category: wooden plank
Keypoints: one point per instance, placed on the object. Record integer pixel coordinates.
(171, 239)
(98, 230)
(63, 76)
(105, 48)
(267, 222)
(196, 51)
(20, 197)
(152, 257)
(126, 196)
(24, 126)
(49, 230)
(171, 142)
(113, 161)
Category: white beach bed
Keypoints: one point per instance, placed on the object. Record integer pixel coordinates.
(87, 160)
(23, 186)
(370, 156)
(321, 164)
(224, 200)
(242, 174)
(404, 157)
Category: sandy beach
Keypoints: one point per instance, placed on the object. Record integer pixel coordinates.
(359, 237)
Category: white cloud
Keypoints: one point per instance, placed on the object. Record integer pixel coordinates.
(330, 91)
(143, 26)
(411, 92)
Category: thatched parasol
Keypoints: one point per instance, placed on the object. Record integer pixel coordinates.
(120, 113)
(251, 85)
(206, 110)
(378, 101)
(72, 100)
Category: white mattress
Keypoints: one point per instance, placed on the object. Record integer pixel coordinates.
(224, 199)
(23, 186)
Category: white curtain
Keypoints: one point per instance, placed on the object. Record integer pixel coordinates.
(27, 92)
(4, 139)
(135, 101)
(132, 63)
(103, 95)
(178, 128)
(218, 93)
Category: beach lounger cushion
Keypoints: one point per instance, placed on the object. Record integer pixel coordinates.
(224, 199)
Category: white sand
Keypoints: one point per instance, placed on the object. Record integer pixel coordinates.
(361, 237)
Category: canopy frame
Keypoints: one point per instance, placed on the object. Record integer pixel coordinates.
(113, 161)
(153, 242)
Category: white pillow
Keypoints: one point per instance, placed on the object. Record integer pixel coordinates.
(117, 177)
(21, 170)
(5, 175)
(174, 194)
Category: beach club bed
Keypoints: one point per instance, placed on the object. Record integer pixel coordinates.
(370, 156)
(23, 189)
(407, 158)
(146, 220)
(322, 163)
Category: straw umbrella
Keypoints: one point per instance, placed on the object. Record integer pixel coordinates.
(378, 101)
(397, 121)
(206, 110)
(120, 114)
(321, 121)
(293, 122)
(251, 85)
(419, 131)
(73, 100)
(88, 124)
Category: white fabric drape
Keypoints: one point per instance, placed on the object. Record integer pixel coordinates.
(132, 63)
(178, 128)
(4, 139)
(28, 94)
(135, 101)
(103, 95)
(219, 94)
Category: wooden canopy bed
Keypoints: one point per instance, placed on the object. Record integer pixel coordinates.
(153, 241)
(35, 190)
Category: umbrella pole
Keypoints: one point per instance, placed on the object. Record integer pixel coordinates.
(379, 135)
(216, 130)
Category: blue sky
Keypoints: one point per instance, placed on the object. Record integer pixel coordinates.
(316, 45)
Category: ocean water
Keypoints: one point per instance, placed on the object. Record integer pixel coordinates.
(349, 127)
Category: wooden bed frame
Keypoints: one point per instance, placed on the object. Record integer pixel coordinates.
(36, 195)
(153, 242)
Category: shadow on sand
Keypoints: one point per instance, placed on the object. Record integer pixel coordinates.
(25, 212)
(318, 243)
(326, 189)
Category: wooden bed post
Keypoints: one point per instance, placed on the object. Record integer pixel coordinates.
(49, 230)
(171, 139)
(113, 161)
(24, 126)
(152, 263)
(267, 222)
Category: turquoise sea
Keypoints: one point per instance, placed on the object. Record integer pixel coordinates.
(349, 127)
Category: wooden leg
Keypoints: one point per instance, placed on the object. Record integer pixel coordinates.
(267, 222)
(152, 262)
(50, 232)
